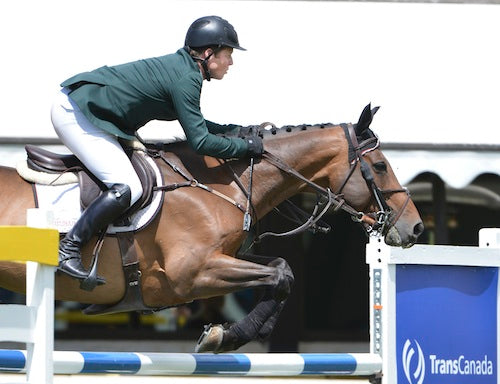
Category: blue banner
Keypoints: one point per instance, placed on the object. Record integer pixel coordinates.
(446, 328)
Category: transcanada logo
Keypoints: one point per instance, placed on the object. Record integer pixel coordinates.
(417, 374)
(414, 364)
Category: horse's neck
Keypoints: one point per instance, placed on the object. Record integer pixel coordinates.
(311, 152)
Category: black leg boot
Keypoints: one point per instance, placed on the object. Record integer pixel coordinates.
(99, 214)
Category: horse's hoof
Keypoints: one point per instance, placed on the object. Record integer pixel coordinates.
(211, 339)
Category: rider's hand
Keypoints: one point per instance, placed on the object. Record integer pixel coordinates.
(255, 146)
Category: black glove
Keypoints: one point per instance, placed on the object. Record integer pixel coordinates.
(255, 146)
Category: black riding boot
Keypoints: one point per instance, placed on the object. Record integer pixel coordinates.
(98, 215)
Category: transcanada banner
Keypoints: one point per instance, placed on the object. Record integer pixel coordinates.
(446, 328)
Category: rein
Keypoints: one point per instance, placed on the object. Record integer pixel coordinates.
(332, 199)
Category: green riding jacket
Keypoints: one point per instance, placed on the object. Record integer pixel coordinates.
(123, 98)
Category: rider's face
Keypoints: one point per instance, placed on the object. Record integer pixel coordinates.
(219, 63)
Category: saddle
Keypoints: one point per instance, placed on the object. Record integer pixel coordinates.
(42, 160)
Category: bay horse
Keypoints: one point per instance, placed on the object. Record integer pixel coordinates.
(190, 250)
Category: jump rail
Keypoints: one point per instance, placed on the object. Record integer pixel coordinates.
(181, 364)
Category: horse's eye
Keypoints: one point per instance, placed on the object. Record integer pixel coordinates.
(380, 167)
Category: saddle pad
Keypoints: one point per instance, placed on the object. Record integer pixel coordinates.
(58, 207)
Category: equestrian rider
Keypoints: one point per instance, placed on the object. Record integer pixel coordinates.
(94, 109)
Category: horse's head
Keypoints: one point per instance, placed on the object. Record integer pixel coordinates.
(372, 188)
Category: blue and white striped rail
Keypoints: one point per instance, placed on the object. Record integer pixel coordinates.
(180, 364)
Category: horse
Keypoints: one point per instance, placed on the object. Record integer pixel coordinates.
(192, 248)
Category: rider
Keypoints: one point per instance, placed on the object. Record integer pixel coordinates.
(94, 109)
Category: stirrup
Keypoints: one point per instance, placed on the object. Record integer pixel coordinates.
(87, 282)
(92, 279)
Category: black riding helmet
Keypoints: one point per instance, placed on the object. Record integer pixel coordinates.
(212, 31)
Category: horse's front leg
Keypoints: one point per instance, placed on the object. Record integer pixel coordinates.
(259, 323)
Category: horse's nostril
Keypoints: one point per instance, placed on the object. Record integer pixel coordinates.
(418, 229)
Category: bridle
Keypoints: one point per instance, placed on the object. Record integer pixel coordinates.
(376, 223)
(382, 219)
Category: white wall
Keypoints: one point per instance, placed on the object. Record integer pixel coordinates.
(434, 68)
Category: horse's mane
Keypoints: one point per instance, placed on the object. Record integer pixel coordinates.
(268, 129)
(367, 139)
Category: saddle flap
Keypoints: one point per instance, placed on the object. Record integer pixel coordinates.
(146, 175)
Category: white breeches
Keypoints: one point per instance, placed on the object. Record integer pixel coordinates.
(97, 149)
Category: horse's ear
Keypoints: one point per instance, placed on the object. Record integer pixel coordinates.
(365, 119)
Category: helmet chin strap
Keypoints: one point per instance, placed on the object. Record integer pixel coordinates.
(204, 65)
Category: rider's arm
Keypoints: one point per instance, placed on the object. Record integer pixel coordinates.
(186, 100)
(229, 129)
